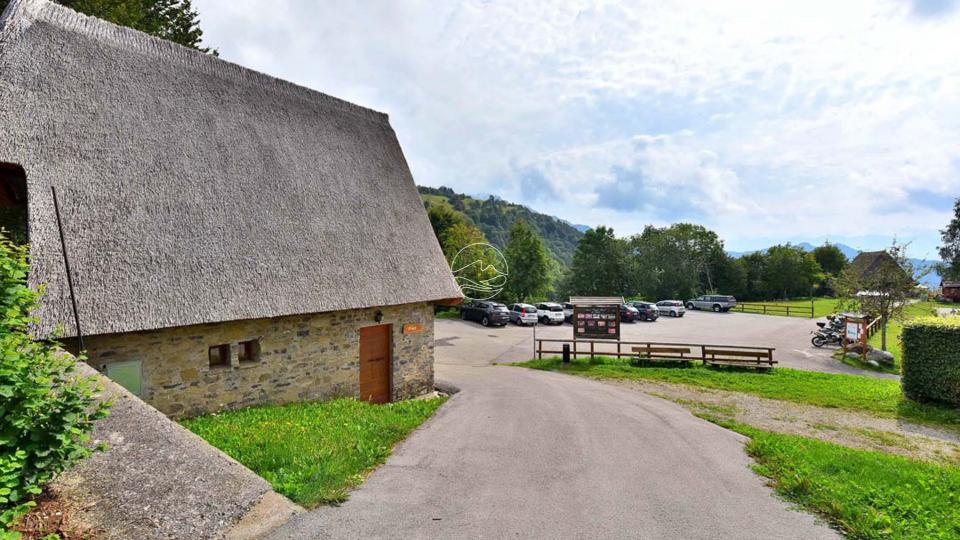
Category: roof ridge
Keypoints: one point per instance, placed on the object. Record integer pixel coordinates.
(21, 14)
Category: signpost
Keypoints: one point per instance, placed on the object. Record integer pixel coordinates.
(596, 317)
(855, 331)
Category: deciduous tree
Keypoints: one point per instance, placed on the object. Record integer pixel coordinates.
(830, 258)
(950, 248)
(528, 262)
(600, 265)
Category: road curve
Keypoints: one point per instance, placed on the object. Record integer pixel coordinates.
(524, 453)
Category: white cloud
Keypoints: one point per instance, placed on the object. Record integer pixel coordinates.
(773, 119)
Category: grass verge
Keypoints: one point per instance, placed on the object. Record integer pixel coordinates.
(821, 306)
(867, 494)
(314, 452)
(880, 397)
(447, 314)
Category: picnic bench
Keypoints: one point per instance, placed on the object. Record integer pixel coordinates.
(757, 358)
(716, 355)
(661, 352)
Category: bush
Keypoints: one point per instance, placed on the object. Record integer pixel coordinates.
(46, 409)
(931, 359)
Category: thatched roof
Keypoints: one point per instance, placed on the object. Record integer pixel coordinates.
(193, 190)
(868, 263)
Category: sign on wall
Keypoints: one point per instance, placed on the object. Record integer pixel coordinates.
(412, 328)
(596, 322)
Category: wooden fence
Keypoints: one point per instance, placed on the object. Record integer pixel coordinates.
(657, 350)
(775, 309)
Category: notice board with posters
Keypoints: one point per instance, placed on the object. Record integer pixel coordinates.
(596, 321)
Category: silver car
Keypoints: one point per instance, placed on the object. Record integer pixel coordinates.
(713, 302)
(673, 308)
(521, 314)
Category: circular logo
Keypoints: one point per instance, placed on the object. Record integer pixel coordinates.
(480, 270)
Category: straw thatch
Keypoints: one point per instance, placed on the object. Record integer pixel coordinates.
(193, 190)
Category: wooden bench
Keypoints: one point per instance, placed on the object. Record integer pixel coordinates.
(659, 352)
(737, 357)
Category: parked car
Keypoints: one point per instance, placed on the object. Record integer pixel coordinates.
(521, 314)
(673, 308)
(646, 311)
(487, 313)
(550, 313)
(628, 313)
(714, 302)
(568, 312)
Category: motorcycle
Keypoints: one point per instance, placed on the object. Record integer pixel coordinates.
(826, 337)
(830, 333)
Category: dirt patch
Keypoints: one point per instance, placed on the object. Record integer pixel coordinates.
(847, 428)
(54, 515)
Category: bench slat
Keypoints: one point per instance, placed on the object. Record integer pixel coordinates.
(751, 354)
(677, 350)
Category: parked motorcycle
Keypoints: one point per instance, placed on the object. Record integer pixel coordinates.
(830, 333)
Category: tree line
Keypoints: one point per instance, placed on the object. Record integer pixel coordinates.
(678, 261)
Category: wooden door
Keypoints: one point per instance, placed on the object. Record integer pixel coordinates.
(375, 363)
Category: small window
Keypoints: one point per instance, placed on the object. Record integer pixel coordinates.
(220, 356)
(249, 351)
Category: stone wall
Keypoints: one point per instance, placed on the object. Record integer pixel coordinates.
(301, 358)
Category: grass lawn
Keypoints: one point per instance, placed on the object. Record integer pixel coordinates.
(894, 328)
(867, 494)
(880, 397)
(314, 452)
(821, 306)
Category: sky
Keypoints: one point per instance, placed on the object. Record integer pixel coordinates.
(767, 122)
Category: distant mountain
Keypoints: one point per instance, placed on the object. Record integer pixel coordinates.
(494, 216)
(931, 279)
(582, 228)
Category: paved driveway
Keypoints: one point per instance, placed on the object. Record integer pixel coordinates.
(523, 453)
(468, 343)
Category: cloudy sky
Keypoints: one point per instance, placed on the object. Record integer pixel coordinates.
(766, 121)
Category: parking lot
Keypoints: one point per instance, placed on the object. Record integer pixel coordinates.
(468, 343)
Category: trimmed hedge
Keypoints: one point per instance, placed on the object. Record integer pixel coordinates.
(931, 359)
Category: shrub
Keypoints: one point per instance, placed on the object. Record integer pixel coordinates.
(46, 409)
(931, 359)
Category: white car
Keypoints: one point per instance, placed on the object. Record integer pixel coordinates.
(550, 313)
(673, 308)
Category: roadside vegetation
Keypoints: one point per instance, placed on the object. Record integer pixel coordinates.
(866, 494)
(879, 397)
(895, 327)
(822, 306)
(314, 452)
(46, 409)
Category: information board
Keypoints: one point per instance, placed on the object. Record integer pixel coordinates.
(596, 322)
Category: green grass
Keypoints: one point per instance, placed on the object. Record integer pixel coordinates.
(895, 328)
(821, 306)
(879, 397)
(314, 452)
(448, 314)
(866, 494)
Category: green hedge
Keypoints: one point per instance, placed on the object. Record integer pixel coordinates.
(931, 359)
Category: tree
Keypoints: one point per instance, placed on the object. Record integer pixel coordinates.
(830, 258)
(600, 265)
(442, 219)
(790, 271)
(950, 249)
(459, 236)
(678, 261)
(528, 262)
(173, 20)
(879, 287)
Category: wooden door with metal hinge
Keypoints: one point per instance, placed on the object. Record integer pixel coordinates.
(375, 363)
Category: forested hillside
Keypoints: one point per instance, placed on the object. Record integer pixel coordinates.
(495, 217)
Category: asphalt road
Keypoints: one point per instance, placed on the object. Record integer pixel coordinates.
(469, 343)
(523, 453)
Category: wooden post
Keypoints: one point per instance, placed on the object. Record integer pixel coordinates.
(591, 349)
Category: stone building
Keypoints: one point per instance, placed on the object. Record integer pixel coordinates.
(233, 239)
